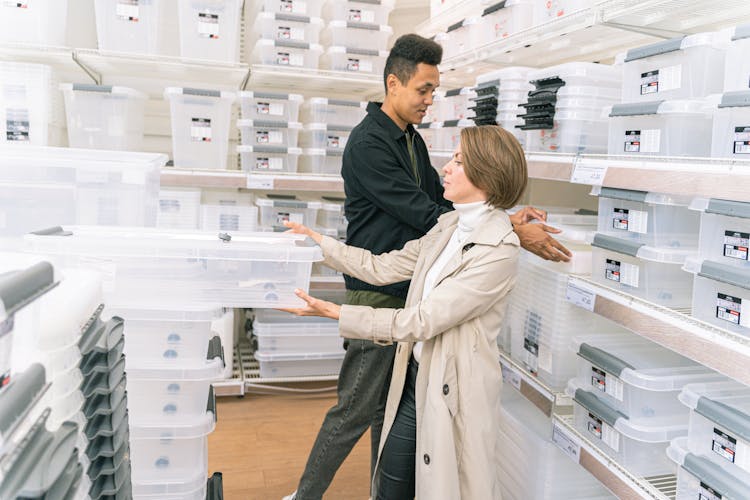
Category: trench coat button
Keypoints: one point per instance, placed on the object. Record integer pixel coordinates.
(446, 389)
(426, 459)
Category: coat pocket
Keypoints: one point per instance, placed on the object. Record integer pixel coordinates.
(449, 387)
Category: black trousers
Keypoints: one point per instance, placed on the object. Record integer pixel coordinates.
(397, 469)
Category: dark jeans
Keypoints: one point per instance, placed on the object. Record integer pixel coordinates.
(396, 472)
(362, 392)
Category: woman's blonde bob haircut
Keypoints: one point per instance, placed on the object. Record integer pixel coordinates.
(495, 163)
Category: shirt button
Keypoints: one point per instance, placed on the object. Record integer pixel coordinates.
(426, 459)
(446, 389)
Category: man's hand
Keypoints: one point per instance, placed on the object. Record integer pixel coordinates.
(536, 239)
(526, 215)
(315, 307)
(297, 228)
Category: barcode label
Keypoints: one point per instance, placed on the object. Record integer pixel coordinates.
(208, 25)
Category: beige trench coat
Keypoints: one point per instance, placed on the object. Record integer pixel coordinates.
(459, 378)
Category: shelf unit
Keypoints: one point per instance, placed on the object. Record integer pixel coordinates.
(315, 82)
(543, 397)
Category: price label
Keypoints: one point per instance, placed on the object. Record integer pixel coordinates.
(255, 181)
(511, 377)
(593, 175)
(580, 296)
(566, 443)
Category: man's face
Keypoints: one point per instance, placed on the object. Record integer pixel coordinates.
(410, 101)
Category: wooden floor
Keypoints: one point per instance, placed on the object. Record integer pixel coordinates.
(261, 444)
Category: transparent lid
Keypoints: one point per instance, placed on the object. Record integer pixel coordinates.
(687, 106)
(291, 202)
(268, 124)
(650, 198)
(12, 155)
(587, 115)
(511, 73)
(334, 207)
(357, 25)
(327, 126)
(248, 94)
(156, 314)
(457, 123)
(265, 357)
(105, 89)
(280, 318)
(262, 149)
(146, 370)
(270, 16)
(177, 428)
(324, 101)
(314, 152)
(716, 39)
(264, 42)
(664, 255)
(207, 93)
(601, 72)
(338, 49)
(727, 392)
(589, 92)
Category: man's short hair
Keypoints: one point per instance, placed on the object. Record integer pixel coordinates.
(408, 51)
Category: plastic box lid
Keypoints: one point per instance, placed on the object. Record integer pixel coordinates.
(323, 152)
(674, 107)
(316, 47)
(726, 403)
(187, 314)
(326, 126)
(324, 101)
(337, 49)
(713, 39)
(281, 16)
(11, 155)
(580, 70)
(721, 207)
(357, 25)
(105, 89)
(269, 149)
(265, 357)
(641, 196)
(641, 251)
(709, 473)
(208, 93)
(185, 428)
(589, 91)
(641, 363)
(291, 203)
(717, 271)
(248, 94)
(457, 123)
(269, 123)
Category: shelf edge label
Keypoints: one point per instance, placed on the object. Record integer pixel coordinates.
(593, 175)
(510, 376)
(580, 296)
(260, 181)
(566, 443)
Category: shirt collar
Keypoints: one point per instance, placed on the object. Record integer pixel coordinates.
(373, 109)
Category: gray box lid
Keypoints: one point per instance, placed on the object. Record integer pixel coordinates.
(654, 49)
(614, 244)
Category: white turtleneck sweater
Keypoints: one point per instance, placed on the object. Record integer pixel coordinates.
(469, 215)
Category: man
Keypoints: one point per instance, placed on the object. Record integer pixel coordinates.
(393, 195)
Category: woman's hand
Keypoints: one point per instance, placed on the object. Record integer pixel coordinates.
(315, 307)
(526, 215)
(298, 228)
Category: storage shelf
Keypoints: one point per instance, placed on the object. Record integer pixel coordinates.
(455, 13)
(59, 58)
(719, 349)
(296, 182)
(550, 166)
(234, 179)
(621, 482)
(312, 82)
(226, 179)
(542, 396)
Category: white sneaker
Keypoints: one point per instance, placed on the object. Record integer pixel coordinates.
(291, 497)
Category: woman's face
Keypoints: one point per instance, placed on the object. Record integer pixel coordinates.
(458, 188)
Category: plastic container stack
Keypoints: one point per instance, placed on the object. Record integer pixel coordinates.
(552, 9)
(507, 18)
(731, 126)
(179, 208)
(277, 209)
(499, 95)
(737, 67)
(564, 113)
(223, 217)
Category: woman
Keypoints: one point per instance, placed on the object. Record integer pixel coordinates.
(443, 404)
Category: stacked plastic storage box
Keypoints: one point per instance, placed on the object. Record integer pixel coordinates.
(277, 209)
(642, 242)
(625, 398)
(133, 27)
(179, 208)
(564, 113)
(737, 67)
(42, 187)
(533, 466)
(503, 19)
(712, 459)
(721, 283)
(41, 22)
(552, 9)
(209, 29)
(331, 222)
(499, 94)
(731, 126)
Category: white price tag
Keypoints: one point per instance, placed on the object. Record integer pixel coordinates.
(511, 377)
(670, 78)
(592, 175)
(566, 443)
(579, 296)
(638, 221)
(200, 129)
(208, 25)
(255, 181)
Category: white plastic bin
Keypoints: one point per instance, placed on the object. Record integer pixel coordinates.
(725, 231)
(333, 111)
(229, 218)
(639, 446)
(653, 274)
(654, 219)
(721, 294)
(275, 211)
(26, 110)
(581, 73)
(286, 53)
(310, 8)
(577, 228)
(128, 26)
(507, 18)
(681, 68)
(449, 135)
(178, 208)
(368, 61)
(737, 67)
(268, 159)
(362, 11)
(34, 21)
(282, 332)
(635, 376)
(356, 35)
(331, 215)
(281, 26)
(200, 126)
(185, 269)
(572, 132)
(321, 161)
(209, 29)
(698, 478)
(719, 423)
(269, 133)
(552, 9)
(731, 126)
(276, 364)
(270, 106)
(323, 136)
(463, 36)
(456, 104)
(513, 78)
(104, 117)
(662, 128)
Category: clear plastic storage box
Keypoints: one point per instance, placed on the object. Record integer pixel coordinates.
(333, 111)
(323, 136)
(572, 132)
(698, 478)
(448, 136)
(552, 9)
(654, 219)
(286, 53)
(127, 26)
(356, 35)
(322, 161)
(503, 19)
(653, 274)
(270, 106)
(178, 208)
(178, 269)
(725, 231)
(359, 11)
(277, 364)
(104, 117)
(281, 26)
(27, 105)
(370, 61)
(331, 215)
(270, 133)
(229, 218)
(456, 103)
(209, 29)
(661, 128)
(42, 22)
(581, 73)
(737, 67)
(268, 159)
(720, 425)
(681, 68)
(635, 376)
(461, 37)
(639, 446)
(731, 126)
(310, 8)
(43, 187)
(282, 332)
(275, 211)
(721, 294)
(200, 126)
